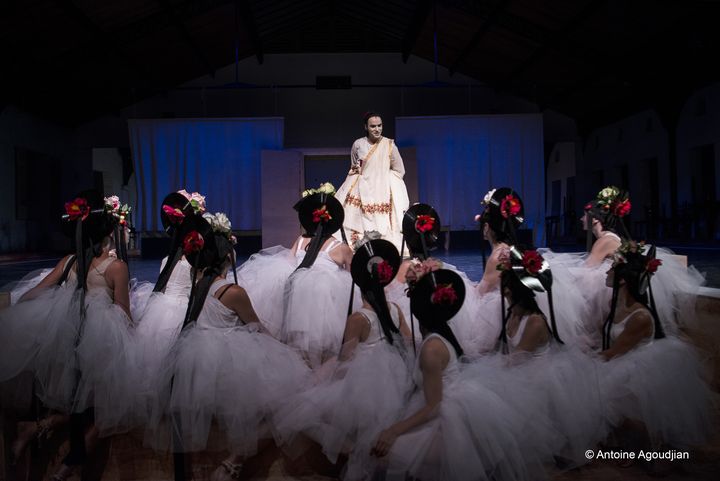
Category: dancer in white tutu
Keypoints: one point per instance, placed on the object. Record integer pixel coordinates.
(539, 374)
(454, 430)
(264, 275)
(650, 378)
(84, 359)
(161, 321)
(223, 369)
(317, 294)
(369, 386)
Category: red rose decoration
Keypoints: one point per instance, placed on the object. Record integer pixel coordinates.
(193, 242)
(385, 272)
(77, 209)
(532, 262)
(175, 215)
(444, 295)
(321, 215)
(424, 223)
(652, 265)
(621, 208)
(588, 206)
(510, 206)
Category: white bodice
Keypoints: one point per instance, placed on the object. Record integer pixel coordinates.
(323, 257)
(376, 332)
(452, 370)
(214, 314)
(617, 328)
(180, 281)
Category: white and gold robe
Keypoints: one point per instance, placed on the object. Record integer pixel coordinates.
(374, 195)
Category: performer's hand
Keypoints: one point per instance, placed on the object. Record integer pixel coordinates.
(384, 442)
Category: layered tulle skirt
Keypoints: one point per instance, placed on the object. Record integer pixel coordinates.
(346, 412)
(234, 377)
(662, 385)
(477, 434)
(263, 277)
(316, 308)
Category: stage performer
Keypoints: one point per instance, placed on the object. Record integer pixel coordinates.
(374, 194)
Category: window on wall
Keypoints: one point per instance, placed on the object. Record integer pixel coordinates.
(33, 192)
(597, 182)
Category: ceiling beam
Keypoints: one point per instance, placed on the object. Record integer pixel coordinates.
(479, 34)
(179, 25)
(244, 11)
(423, 9)
(573, 24)
(101, 37)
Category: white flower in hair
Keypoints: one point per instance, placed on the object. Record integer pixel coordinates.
(608, 193)
(488, 197)
(113, 202)
(210, 218)
(184, 193)
(326, 188)
(223, 223)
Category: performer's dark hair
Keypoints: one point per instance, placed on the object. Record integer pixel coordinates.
(368, 115)
(313, 247)
(375, 295)
(631, 273)
(210, 273)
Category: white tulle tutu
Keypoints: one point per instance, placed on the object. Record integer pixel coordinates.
(30, 280)
(56, 368)
(561, 388)
(27, 328)
(107, 364)
(140, 292)
(263, 276)
(581, 298)
(675, 289)
(316, 307)
(235, 377)
(661, 384)
(224, 372)
(477, 433)
(347, 411)
(158, 328)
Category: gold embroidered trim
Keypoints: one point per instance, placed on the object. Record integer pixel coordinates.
(379, 208)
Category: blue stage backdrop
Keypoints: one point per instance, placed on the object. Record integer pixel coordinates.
(460, 158)
(219, 158)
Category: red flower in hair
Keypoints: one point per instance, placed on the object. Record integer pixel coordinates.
(652, 265)
(174, 215)
(193, 242)
(444, 294)
(77, 208)
(321, 215)
(385, 272)
(621, 208)
(510, 206)
(532, 262)
(424, 223)
(588, 206)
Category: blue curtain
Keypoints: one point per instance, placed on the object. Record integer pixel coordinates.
(220, 158)
(460, 158)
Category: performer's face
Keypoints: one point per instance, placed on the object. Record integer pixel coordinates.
(374, 128)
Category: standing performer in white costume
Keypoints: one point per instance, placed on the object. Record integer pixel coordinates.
(374, 194)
